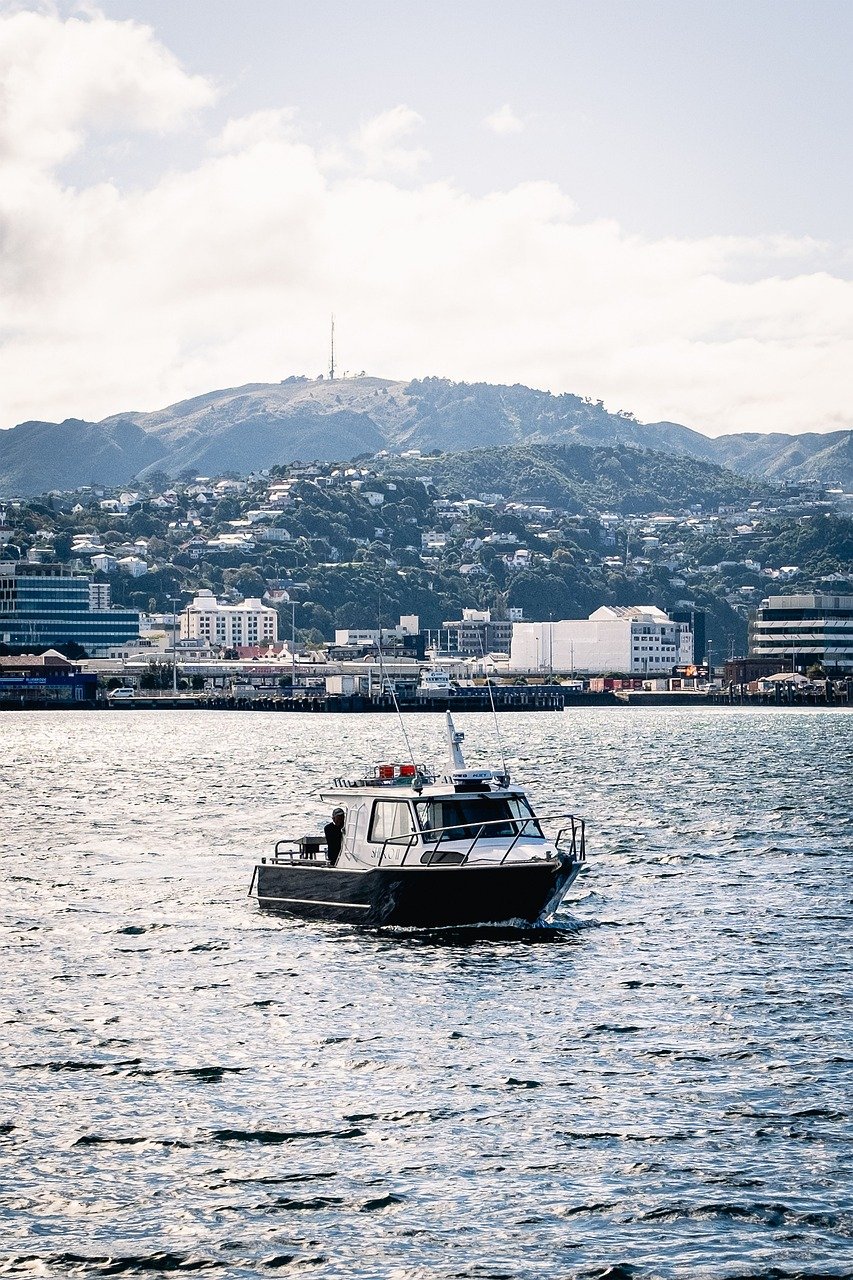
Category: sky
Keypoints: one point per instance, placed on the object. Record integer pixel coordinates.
(645, 202)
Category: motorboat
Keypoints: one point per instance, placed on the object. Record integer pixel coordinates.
(435, 683)
(421, 849)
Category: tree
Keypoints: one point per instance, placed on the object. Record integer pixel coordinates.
(62, 546)
(316, 617)
(246, 580)
(72, 650)
(141, 525)
(157, 675)
(226, 509)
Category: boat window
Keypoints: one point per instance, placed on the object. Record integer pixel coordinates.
(464, 815)
(391, 818)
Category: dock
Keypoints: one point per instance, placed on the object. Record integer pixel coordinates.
(551, 698)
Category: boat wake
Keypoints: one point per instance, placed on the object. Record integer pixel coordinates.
(559, 933)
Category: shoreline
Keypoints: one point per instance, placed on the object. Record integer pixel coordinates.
(353, 705)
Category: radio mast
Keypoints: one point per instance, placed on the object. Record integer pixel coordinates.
(332, 357)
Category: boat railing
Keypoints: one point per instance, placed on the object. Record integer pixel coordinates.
(420, 777)
(295, 850)
(570, 839)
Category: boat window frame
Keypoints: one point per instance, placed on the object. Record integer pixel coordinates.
(526, 825)
(412, 834)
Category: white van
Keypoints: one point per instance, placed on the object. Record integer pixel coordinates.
(118, 695)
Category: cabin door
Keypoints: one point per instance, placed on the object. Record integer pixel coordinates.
(354, 833)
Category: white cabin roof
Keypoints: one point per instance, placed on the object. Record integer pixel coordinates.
(435, 788)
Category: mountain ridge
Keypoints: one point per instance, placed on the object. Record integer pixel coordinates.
(260, 425)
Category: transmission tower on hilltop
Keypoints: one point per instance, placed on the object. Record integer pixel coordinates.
(332, 352)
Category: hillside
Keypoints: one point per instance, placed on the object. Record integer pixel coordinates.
(827, 458)
(38, 456)
(583, 479)
(242, 429)
(551, 529)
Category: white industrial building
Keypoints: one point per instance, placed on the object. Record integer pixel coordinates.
(630, 640)
(250, 622)
(364, 637)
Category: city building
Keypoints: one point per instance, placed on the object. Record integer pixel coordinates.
(104, 563)
(746, 670)
(250, 622)
(100, 595)
(134, 565)
(45, 604)
(695, 620)
(363, 637)
(630, 640)
(357, 637)
(476, 633)
(404, 638)
(798, 632)
(46, 677)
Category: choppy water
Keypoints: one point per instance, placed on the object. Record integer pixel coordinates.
(661, 1087)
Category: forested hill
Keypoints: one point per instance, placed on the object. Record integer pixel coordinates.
(260, 425)
(582, 479)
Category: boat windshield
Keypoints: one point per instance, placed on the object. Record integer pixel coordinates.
(463, 816)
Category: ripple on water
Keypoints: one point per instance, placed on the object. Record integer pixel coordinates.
(658, 1085)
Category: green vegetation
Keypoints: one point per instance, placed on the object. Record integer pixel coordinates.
(556, 530)
(581, 479)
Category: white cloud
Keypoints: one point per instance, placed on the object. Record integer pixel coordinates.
(504, 121)
(260, 126)
(226, 272)
(383, 142)
(60, 78)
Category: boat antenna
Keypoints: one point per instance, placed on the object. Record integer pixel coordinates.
(393, 693)
(494, 710)
(454, 742)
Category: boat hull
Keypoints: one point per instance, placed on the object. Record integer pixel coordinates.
(415, 897)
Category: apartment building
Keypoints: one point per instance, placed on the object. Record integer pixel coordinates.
(250, 622)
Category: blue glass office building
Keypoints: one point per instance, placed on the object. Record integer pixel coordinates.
(45, 604)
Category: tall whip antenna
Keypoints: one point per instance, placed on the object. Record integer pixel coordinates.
(332, 358)
(393, 693)
(494, 710)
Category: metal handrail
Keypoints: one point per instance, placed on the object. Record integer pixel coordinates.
(572, 835)
(577, 830)
(292, 854)
(576, 827)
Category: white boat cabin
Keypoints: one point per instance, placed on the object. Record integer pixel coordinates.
(402, 814)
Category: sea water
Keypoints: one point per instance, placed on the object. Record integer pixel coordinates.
(660, 1086)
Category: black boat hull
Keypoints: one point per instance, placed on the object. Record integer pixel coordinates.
(415, 897)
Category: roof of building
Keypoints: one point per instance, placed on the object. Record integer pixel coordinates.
(50, 658)
(633, 612)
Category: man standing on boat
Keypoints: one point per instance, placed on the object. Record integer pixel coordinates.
(334, 833)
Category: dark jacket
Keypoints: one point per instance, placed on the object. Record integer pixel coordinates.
(334, 839)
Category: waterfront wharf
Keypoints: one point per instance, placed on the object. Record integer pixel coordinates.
(506, 698)
(541, 698)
